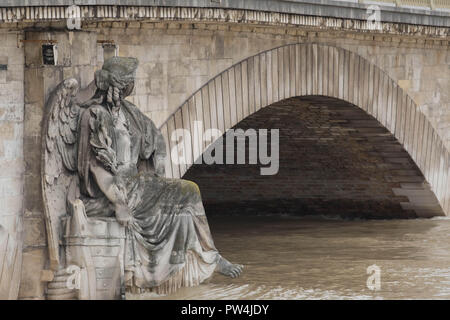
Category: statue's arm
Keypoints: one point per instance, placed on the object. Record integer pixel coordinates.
(103, 164)
(111, 187)
(160, 154)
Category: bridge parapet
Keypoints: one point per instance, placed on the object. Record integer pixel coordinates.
(439, 5)
(408, 24)
(414, 12)
(415, 4)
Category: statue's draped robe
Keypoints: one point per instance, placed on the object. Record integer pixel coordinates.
(169, 243)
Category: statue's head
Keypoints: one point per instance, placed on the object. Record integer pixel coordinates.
(117, 72)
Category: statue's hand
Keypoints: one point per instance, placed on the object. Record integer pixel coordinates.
(123, 214)
(159, 166)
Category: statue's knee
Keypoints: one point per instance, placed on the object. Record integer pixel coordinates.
(190, 187)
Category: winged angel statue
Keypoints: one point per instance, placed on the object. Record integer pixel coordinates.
(104, 159)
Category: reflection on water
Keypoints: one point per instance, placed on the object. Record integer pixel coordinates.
(305, 258)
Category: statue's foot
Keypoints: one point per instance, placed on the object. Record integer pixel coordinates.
(227, 268)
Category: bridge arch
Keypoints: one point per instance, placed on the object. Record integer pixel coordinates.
(321, 70)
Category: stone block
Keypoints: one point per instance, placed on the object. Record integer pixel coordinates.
(6, 130)
(134, 24)
(34, 84)
(11, 222)
(12, 204)
(188, 67)
(33, 54)
(11, 92)
(159, 116)
(140, 101)
(177, 84)
(12, 112)
(84, 48)
(12, 39)
(33, 122)
(14, 73)
(51, 76)
(86, 75)
(32, 193)
(16, 56)
(217, 66)
(12, 168)
(4, 59)
(35, 235)
(404, 84)
(155, 103)
(34, 261)
(142, 86)
(158, 87)
(3, 74)
(119, 24)
(147, 25)
(152, 69)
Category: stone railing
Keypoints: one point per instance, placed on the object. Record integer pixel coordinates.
(431, 4)
(326, 13)
(443, 5)
(226, 3)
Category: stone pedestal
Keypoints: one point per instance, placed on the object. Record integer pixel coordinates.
(94, 255)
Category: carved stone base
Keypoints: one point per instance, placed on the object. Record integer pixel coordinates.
(94, 252)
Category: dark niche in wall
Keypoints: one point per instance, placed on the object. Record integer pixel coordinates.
(49, 55)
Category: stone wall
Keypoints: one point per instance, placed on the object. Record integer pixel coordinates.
(176, 59)
(77, 57)
(11, 161)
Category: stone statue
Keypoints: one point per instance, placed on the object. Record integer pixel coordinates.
(110, 212)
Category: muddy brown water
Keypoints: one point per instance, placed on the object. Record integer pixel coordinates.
(317, 258)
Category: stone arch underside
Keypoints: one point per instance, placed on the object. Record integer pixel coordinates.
(314, 69)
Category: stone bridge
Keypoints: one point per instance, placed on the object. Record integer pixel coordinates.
(223, 62)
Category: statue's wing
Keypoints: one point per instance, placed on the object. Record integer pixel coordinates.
(59, 158)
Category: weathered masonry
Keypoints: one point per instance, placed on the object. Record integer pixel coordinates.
(218, 62)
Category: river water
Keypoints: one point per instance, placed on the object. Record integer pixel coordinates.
(316, 258)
